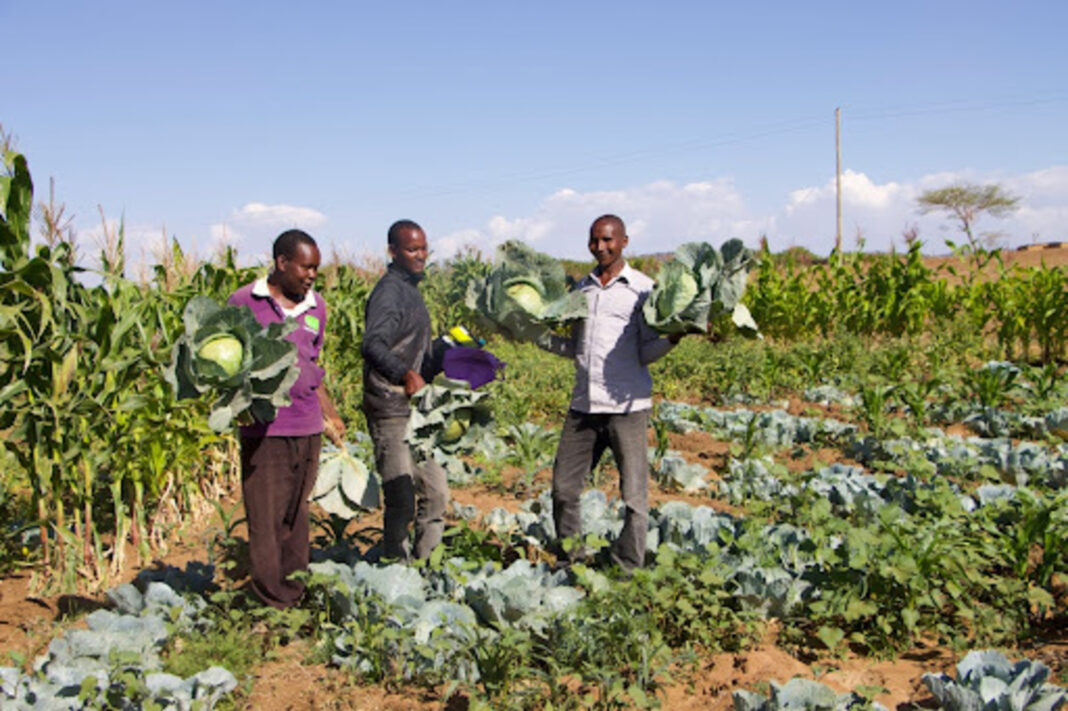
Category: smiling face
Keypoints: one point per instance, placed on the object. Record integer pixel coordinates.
(295, 275)
(608, 237)
(410, 251)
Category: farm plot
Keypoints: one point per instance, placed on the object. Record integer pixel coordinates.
(923, 541)
(866, 499)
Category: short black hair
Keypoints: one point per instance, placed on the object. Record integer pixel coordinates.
(393, 236)
(609, 218)
(285, 245)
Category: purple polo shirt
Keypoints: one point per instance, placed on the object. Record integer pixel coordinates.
(304, 416)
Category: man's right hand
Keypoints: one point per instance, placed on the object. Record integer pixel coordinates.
(413, 383)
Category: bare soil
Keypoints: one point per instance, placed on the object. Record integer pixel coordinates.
(1032, 256)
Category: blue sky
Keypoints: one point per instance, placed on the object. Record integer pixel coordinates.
(484, 121)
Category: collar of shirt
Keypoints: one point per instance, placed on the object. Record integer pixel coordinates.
(263, 291)
(625, 275)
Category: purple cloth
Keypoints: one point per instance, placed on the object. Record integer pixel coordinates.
(304, 416)
(474, 365)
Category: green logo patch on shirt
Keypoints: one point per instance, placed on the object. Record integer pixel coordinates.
(311, 323)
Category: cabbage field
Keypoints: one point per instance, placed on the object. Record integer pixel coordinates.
(868, 506)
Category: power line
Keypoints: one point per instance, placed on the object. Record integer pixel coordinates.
(624, 158)
(952, 107)
(773, 129)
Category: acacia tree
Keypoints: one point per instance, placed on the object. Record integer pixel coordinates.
(966, 202)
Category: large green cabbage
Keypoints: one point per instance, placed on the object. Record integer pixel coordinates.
(700, 284)
(448, 418)
(525, 295)
(226, 351)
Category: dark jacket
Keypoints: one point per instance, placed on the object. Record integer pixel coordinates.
(396, 339)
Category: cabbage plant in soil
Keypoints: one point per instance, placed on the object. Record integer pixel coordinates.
(699, 284)
(526, 295)
(225, 351)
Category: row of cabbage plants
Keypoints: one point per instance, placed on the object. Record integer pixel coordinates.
(945, 537)
(511, 634)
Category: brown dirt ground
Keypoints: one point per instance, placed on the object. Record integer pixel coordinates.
(288, 681)
(1034, 257)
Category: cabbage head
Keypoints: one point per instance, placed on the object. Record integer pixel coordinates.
(701, 283)
(224, 350)
(448, 418)
(525, 295)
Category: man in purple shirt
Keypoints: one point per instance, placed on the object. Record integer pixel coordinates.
(280, 459)
(610, 403)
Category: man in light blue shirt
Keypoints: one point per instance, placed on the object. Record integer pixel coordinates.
(612, 397)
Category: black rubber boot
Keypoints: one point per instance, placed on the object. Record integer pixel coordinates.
(398, 496)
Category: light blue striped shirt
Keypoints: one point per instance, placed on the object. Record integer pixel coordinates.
(613, 346)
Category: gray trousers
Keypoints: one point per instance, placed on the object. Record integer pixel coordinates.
(582, 442)
(409, 491)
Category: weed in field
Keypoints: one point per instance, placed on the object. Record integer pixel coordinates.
(874, 400)
(225, 550)
(1046, 385)
(916, 395)
(235, 636)
(620, 658)
(533, 447)
(750, 444)
(991, 385)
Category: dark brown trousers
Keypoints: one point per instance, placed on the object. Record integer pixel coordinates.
(277, 477)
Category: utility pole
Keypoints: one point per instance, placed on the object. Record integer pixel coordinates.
(838, 177)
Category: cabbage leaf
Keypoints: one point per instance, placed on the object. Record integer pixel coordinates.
(525, 295)
(700, 284)
(344, 485)
(448, 418)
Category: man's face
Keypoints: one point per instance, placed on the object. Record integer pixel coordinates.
(296, 274)
(607, 240)
(410, 252)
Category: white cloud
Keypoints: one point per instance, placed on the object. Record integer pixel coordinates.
(251, 229)
(882, 212)
(660, 216)
(1043, 213)
(1050, 183)
(455, 242)
(278, 216)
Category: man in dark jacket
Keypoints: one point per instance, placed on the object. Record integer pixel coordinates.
(398, 359)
